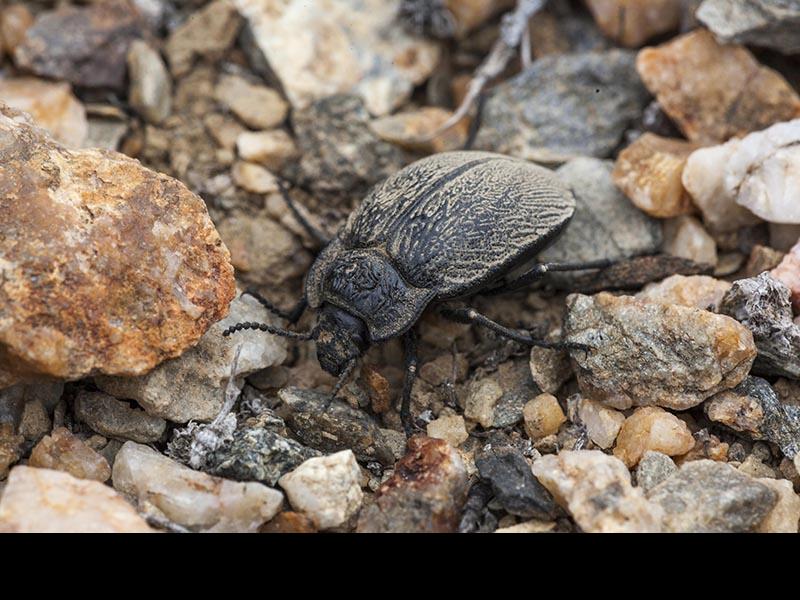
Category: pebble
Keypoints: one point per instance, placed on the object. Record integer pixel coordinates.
(697, 291)
(786, 514)
(644, 353)
(273, 149)
(753, 408)
(481, 401)
(700, 84)
(633, 22)
(326, 489)
(35, 422)
(342, 46)
(192, 386)
(649, 173)
(602, 423)
(257, 454)
(515, 488)
(652, 428)
(62, 451)
(764, 23)
(153, 234)
(110, 417)
(543, 416)
(207, 33)
(84, 45)
(706, 496)
(451, 429)
(340, 427)
(425, 494)
(763, 305)
(15, 20)
(563, 106)
(289, 522)
(445, 368)
(788, 273)
(596, 490)
(605, 224)
(550, 369)
(10, 448)
(257, 106)
(166, 489)
(52, 106)
(48, 501)
(341, 156)
(410, 129)
(686, 237)
(150, 86)
(254, 178)
(654, 468)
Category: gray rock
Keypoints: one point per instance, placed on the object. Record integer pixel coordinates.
(564, 106)
(333, 426)
(643, 353)
(150, 91)
(513, 483)
(653, 469)
(341, 156)
(712, 497)
(753, 408)
(518, 387)
(769, 23)
(257, 454)
(114, 418)
(605, 224)
(762, 305)
(191, 387)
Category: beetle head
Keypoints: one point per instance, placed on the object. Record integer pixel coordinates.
(341, 338)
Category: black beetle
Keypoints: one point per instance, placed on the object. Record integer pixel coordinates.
(447, 226)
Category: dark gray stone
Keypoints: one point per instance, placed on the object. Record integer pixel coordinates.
(712, 497)
(762, 305)
(513, 483)
(653, 469)
(333, 426)
(564, 106)
(768, 23)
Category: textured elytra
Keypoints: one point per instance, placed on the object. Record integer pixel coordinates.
(443, 227)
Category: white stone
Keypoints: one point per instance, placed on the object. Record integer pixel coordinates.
(48, 501)
(326, 488)
(319, 48)
(165, 488)
(602, 423)
(596, 490)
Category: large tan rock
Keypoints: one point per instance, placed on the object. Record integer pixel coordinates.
(105, 266)
(714, 92)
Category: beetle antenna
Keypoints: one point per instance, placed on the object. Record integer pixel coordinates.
(348, 370)
(295, 335)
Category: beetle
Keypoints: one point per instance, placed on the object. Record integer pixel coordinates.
(445, 227)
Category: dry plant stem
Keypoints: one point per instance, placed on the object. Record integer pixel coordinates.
(513, 32)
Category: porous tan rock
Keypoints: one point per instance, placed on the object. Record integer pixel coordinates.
(52, 106)
(686, 237)
(207, 33)
(644, 353)
(257, 106)
(48, 501)
(596, 490)
(543, 416)
(652, 428)
(321, 48)
(62, 451)
(649, 172)
(698, 291)
(107, 267)
(194, 500)
(633, 22)
(714, 92)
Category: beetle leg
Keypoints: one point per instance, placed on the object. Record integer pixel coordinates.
(472, 316)
(315, 233)
(292, 315)
(541, 269)
(410, 346)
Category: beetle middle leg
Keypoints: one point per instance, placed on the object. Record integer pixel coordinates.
(539, 270)
(472, 316)
(410, 347)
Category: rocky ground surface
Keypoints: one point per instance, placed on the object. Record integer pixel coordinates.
(142, 144)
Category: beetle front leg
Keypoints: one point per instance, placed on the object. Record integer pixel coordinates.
(410, 346)
(472, 316)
